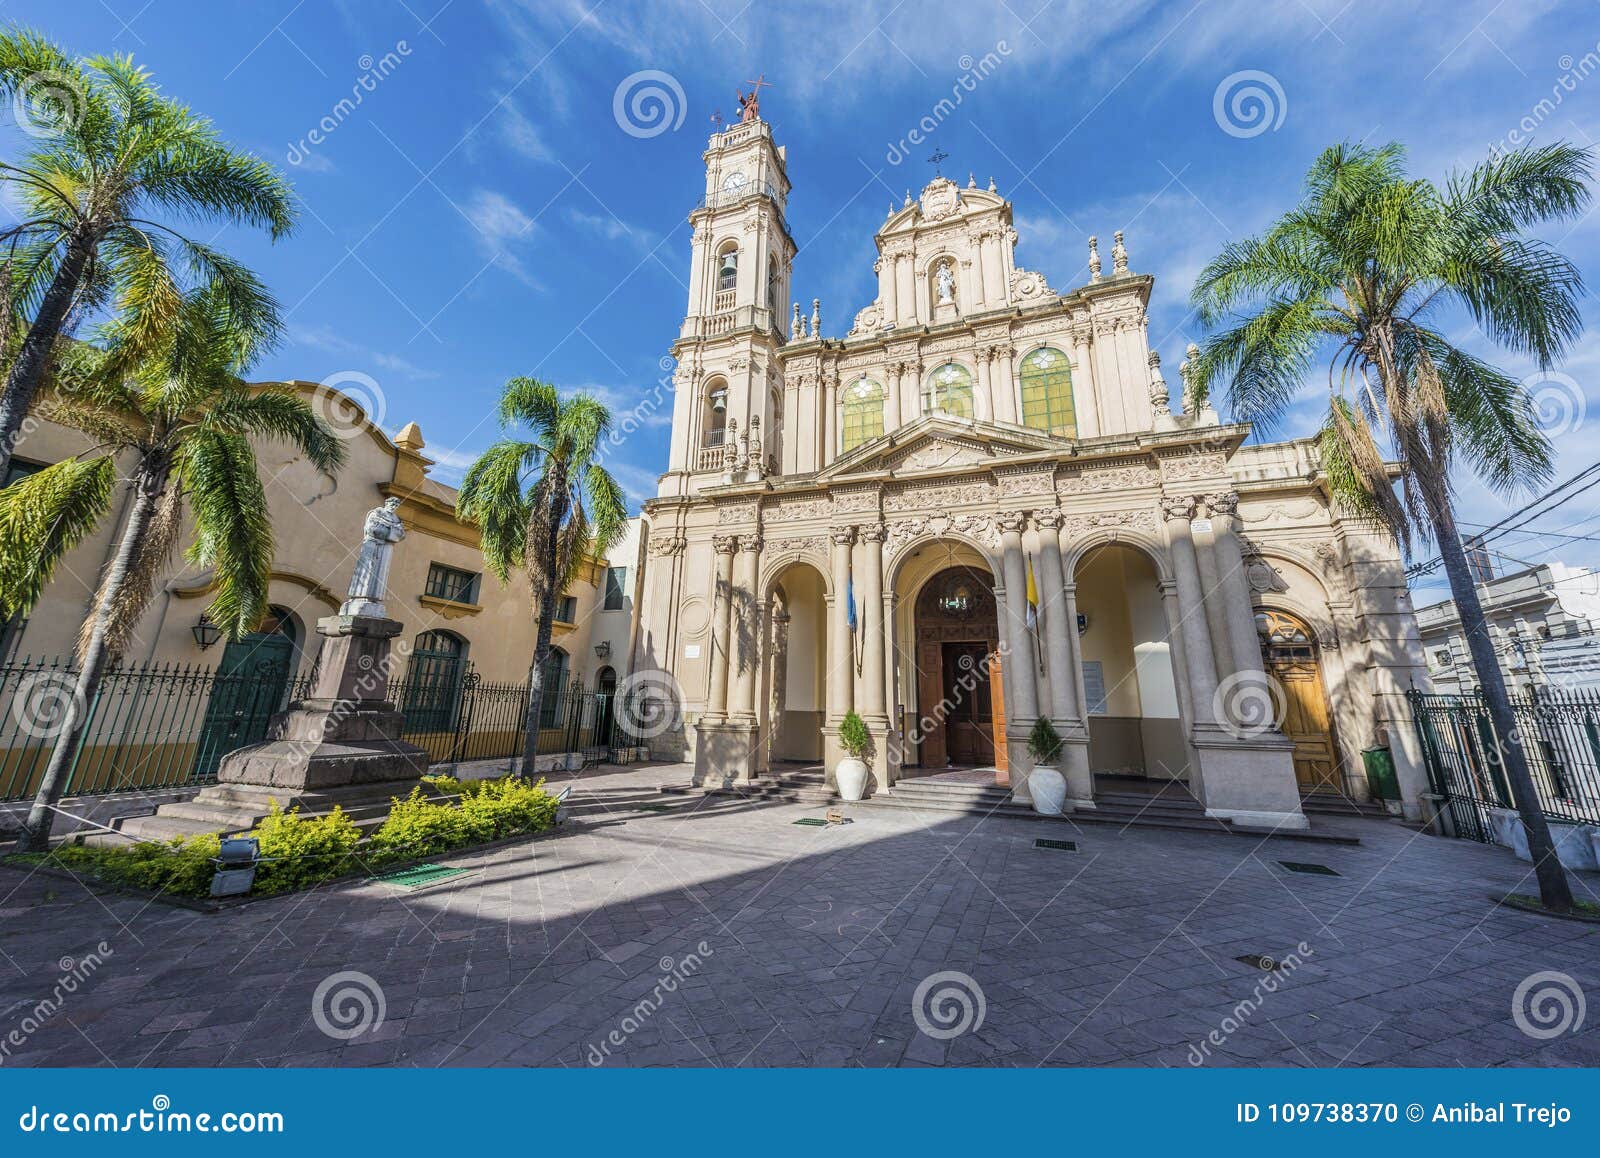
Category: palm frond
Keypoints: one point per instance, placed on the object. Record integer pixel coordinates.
(278, 413)
(491, 498)
(42, 517)
(531, 403)
(233, 526)
(1356, 473)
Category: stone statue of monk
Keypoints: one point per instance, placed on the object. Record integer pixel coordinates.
(379, 534)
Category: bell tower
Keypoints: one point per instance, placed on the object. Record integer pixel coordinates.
(727, 414)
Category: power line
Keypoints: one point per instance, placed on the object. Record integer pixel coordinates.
(1589, 477)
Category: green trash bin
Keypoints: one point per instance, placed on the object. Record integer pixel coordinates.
(1381, 778)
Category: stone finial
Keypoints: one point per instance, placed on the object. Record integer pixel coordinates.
(794, 326)
(1119, 254)
(754, 460)
(410, 437)
(1160, 397)
(891, 207)
(1094, 258)
(972, 180)
(730, 446)
(992, 189)
(816, 317)
(907, 204)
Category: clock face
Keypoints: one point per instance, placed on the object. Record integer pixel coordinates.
(733, 182)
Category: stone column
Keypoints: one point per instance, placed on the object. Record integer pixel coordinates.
(1004, 387)
(873, 703)
(1052, 611)
(1058, 607)
(985, 383)
(891, 403)
(887, 288)
(1191, 607)
(830, 419)
(1021, 693)
(744, 650)
(1237, 612)
(841, 673)
(905, 290)
(721, 627)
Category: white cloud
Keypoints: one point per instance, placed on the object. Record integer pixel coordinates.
(499, 227)
(330, 341)
(521, 134)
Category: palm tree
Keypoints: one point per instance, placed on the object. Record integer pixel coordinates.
(111, 150)
(542, 505)
(1359, 274)
(179, 421)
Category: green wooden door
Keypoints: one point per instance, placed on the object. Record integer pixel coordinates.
(251, 679)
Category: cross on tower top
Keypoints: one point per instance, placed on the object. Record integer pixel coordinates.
(939, 155)
(750, 105)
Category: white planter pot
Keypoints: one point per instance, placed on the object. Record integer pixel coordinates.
(1049, 790)
(851, 775)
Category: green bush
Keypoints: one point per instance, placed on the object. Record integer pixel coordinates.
(1044, 742)
(853, 737)
(417, 827)
(180, 866)
(299, 852)
(302, 851)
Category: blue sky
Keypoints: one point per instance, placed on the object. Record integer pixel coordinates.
(482, 212)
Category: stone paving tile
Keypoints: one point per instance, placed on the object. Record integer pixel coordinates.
(718, 933)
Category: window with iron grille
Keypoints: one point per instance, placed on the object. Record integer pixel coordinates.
(616, 582)
(450, 583)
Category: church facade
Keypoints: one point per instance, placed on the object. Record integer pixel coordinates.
(982, 505)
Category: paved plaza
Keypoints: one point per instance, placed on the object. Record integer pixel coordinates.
(714, 931)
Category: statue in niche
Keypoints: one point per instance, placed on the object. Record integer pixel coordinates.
(944, 278)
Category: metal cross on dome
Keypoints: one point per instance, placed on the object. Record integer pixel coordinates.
(939, 156)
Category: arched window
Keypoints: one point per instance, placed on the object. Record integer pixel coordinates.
(432, 696)
(1047, 393)
(863, 414)
(715, 426)
(728, 269)
(555, 689)
(949, 390)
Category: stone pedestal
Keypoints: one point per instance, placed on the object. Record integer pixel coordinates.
(1075, 766)
(340, 746)
(725, 753)
(1248, 780)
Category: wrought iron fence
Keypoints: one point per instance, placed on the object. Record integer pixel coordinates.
(154, 726)
(1558, 732)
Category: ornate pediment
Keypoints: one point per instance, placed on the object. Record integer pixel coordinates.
(937, 445)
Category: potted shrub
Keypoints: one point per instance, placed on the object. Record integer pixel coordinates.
(1045, 783)
(851, 773)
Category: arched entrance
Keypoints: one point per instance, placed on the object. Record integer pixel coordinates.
(250, 684)
(432, 695)
(1289, 655)
(795, 700)
(959, 715)
(1130, 690)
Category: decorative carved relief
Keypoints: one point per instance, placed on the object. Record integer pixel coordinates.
(1140, 520)
(1190, 467)
(665, 546)
(914, 497)
(1026, 285)
(1117, 478)
(1035, 482)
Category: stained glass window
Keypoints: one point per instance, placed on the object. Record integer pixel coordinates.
(1047, 393)
(863, 414)
(950, 390)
